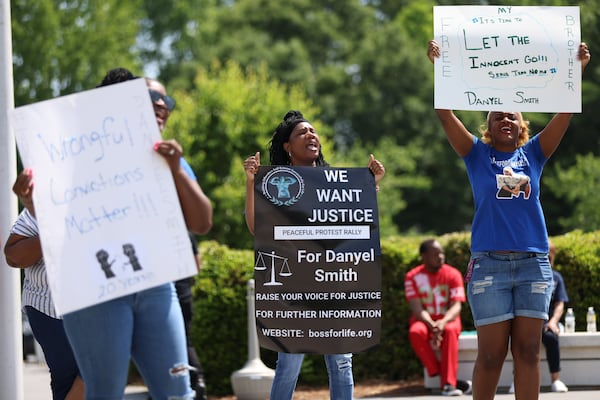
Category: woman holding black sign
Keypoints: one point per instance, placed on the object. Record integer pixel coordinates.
(509, 277)
(295, 142)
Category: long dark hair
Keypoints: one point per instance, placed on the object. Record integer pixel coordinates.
(277, 154)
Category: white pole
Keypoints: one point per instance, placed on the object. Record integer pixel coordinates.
(254, 380)
(11, 335)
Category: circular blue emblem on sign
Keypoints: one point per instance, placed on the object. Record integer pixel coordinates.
(282, 186)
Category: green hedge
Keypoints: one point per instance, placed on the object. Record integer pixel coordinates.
(220, 331)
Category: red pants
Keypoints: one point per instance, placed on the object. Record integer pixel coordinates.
(447, 365)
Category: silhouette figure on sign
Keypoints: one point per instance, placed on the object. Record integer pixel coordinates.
(102, 256)
(283, 186)
(129, 251)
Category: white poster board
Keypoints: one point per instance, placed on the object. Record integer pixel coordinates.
(507, 58)
(108, 213)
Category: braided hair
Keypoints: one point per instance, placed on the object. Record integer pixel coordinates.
(277, 154)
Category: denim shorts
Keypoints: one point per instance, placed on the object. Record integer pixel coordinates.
(504, 285)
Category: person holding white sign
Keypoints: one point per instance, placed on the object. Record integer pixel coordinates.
(509, 277)
(296, 142)
(23, 249)
(146, 326)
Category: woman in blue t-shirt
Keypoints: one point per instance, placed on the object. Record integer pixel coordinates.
(509, 278)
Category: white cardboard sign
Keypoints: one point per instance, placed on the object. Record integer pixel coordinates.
(108, 213)
(508, 58)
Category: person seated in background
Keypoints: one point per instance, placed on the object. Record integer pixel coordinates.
(435, 292)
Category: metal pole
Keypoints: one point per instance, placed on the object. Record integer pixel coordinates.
(11, 336)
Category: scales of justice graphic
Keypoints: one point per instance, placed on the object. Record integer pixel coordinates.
(283, 271)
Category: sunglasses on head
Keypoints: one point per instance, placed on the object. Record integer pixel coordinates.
(168, 100)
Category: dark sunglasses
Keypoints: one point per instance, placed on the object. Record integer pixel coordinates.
(168, 100)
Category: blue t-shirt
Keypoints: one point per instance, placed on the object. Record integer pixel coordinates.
(506, 188)
(186, 167)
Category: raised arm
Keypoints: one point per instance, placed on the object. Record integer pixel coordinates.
(251, 165)
(377, 169)
(23, 251)
(551, 136)
(23, 188)
(195, 205)
(459, 137)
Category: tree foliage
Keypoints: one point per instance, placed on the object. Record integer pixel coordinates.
(227, 116)
(61, 47)
(356, 68)
(578, 185)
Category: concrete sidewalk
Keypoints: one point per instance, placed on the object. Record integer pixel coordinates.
(36, 380)
(36, 384)
(573, 394)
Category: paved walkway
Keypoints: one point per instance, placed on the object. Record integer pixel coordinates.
(37, 387)
(571, 395)
(36, 383)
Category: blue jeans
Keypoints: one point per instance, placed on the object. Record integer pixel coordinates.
(339, 369)
(146, 326)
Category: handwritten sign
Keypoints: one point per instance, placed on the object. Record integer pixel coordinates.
(108, 213)
(508, 58)
(317, 260)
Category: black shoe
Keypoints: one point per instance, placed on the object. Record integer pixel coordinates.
(200, 389)
(465, 386)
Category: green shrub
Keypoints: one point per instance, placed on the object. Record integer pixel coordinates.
(220, 331)
(394, 358)
(220, 325)
(578, 260)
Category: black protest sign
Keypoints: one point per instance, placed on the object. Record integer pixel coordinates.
(317, 260)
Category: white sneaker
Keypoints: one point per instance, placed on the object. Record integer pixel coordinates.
(558, 386)
(449, 390)
(511, 389)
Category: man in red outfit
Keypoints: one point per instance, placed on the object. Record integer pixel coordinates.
(435, 292)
